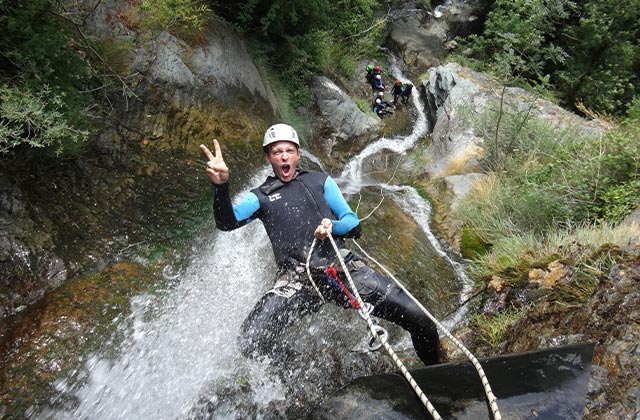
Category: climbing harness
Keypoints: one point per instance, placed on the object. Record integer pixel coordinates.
(378, 337)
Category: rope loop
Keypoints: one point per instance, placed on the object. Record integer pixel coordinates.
(375, 342)
(364, 311)
(492, 401)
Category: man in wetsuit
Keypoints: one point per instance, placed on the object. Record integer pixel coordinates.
(295, 206)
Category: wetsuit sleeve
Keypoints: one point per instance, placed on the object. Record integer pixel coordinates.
(347, 223)
(228, 216)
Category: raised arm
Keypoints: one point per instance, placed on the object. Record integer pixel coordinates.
(227, 216)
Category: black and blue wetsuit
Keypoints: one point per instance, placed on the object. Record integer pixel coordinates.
(291, 212)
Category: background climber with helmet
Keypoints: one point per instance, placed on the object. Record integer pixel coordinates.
(295, 206)
(372, 72)
(407, 87)
(380, 106)
(378, 84)
(396, 91)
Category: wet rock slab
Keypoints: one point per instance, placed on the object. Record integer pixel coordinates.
(550, 384)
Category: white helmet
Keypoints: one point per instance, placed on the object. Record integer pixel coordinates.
(378, 77)
(280, 132)
(381, 93)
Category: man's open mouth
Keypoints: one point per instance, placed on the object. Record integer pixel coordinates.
(286, 169)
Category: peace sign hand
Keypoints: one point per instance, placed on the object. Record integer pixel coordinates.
(217, 170)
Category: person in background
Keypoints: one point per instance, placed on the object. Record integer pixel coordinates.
(396, 91)
(380, 106)
(372, 72)
(370, 75)
(296, 206)
(378, 84)
(407, 87)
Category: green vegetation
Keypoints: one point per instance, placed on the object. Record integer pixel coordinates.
(41, 75)
(55, 78)
(492, 328)
(513, 255)
(34, 118)
(544, 179)
(185, 18)
(303, 37)
(584, 52)
(552, 194)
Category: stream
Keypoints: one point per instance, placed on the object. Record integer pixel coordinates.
(180, 357)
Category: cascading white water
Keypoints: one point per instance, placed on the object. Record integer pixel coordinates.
(179, 343)
(410, 201)
(351, 180)
(182, 343)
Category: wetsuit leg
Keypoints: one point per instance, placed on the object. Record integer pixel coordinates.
(393, 304)
(275, 311)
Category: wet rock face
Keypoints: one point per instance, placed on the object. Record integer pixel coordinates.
(27, 265)
(338, 122)
(611, 319)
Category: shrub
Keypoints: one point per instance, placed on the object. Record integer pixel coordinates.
(546, 177)
(620, 200)
(34, 118)
(183, 16)
(587, 51)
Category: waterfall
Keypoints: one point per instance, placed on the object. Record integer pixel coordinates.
(420, 210)
(351, 180)
(181, 350)
(181, 340)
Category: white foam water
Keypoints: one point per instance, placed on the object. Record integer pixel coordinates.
(182, 340)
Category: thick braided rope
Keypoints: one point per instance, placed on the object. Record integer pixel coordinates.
(414, 385)
(491, 398)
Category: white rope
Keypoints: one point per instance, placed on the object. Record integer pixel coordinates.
(491, 398)
(313, 244)
(416, 388)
